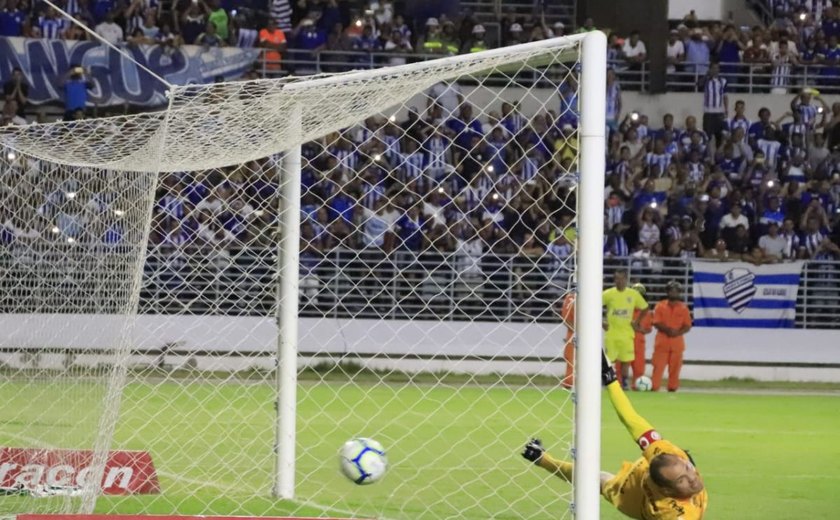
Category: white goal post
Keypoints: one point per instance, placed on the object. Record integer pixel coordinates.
(234, 283)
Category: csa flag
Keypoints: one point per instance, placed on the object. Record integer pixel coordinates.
(738, 294)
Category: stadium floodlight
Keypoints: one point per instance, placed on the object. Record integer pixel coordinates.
(354, 272)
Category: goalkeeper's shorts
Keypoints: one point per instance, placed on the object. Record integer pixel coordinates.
(620, 348)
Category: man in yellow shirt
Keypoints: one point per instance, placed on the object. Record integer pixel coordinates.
(621, 303)
(662, 484)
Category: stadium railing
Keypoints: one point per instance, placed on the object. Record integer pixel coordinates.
(368, 283)
(346, 283)
(302, 63)
(748, 78)
(758, 78)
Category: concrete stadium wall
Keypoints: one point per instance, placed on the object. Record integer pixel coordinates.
(238, 343)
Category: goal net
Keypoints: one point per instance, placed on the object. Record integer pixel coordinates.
(234, 286)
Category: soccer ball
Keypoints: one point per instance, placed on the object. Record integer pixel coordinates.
(643, 383)
(363, 461)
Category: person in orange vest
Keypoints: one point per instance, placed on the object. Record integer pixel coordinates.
(273, 39)
(672, 320)
(567, 314)
(645, 328)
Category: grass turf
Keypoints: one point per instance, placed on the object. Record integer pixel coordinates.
(454, 450)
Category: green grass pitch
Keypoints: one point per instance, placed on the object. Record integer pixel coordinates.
(762, 456)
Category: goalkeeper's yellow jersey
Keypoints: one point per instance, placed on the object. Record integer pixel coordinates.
(620, 306)
(633, 493)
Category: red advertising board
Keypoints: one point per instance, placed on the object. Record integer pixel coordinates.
(126, 472)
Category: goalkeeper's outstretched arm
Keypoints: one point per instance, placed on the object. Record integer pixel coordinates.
(641, 430)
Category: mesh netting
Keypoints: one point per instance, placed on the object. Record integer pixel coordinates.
(438, 236)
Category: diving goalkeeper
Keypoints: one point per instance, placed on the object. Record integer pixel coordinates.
(661, 485)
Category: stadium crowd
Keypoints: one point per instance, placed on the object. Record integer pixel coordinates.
(307, 25)
(740, 185)
(439, 180)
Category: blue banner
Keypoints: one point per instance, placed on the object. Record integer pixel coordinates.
(738, 294)
(117, 79)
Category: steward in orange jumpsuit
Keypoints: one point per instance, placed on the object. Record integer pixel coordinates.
(567, 314)
(672, 320)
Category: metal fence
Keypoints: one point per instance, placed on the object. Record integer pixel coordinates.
(748, 78)
(427, 286)
(353, 284)
(304, 63)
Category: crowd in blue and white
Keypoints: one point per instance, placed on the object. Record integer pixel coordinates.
(739, 184)
(437, 178)
(800, 46)
(735, 182)
(308, 25)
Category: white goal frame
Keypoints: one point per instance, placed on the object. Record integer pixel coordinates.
(589, 266)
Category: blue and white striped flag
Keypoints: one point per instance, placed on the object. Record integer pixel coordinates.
(738, 294)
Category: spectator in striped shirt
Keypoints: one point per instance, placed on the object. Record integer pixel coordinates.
(770, 146)
(658, 157)
(715, 104)
(794, 129)
(243, 33)
(739, 120)
(803, 107)
(816, 244)
(50, 25)
(615, 244)
(687, 135)
(614, 212)
(783, 62)
(792, 239)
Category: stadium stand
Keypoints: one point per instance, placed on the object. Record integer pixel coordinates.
(729, 183)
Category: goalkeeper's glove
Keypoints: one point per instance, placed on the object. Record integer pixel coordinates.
(533, 451)
(608, 374)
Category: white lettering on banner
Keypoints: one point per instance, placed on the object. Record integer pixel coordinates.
(5, 468)
(116, 80)
(32, 475)
(60, 475)
(126, 474)
(83, 477)
(774, 292)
